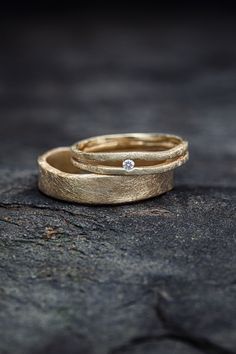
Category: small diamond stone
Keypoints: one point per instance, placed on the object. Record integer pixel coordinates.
(128, 165)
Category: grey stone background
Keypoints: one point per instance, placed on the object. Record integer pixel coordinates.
(152, 277)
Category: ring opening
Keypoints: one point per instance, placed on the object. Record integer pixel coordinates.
(121, 144)
(61, 160)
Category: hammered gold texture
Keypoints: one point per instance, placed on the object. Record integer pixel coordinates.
(165, 166)
(151, 152)
(59, 179)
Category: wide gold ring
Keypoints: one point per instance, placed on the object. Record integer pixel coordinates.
(133, 154)
(60, 179)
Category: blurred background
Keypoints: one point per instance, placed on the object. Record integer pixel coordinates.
(72, 71)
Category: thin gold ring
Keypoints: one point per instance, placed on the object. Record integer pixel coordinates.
(60, 179)
(134, 154)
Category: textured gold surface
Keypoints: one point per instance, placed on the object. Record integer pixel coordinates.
(58, 178)
(152, 153)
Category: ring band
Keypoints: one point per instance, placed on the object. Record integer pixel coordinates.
(133, 154)
(60, 179)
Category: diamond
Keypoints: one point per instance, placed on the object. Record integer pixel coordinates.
(128, 165)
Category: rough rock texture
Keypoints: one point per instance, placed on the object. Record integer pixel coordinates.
(152, 277)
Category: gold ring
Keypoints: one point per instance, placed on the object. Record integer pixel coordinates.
(133, 154)
(60, 179)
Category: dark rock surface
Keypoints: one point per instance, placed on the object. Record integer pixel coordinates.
(152, 277)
